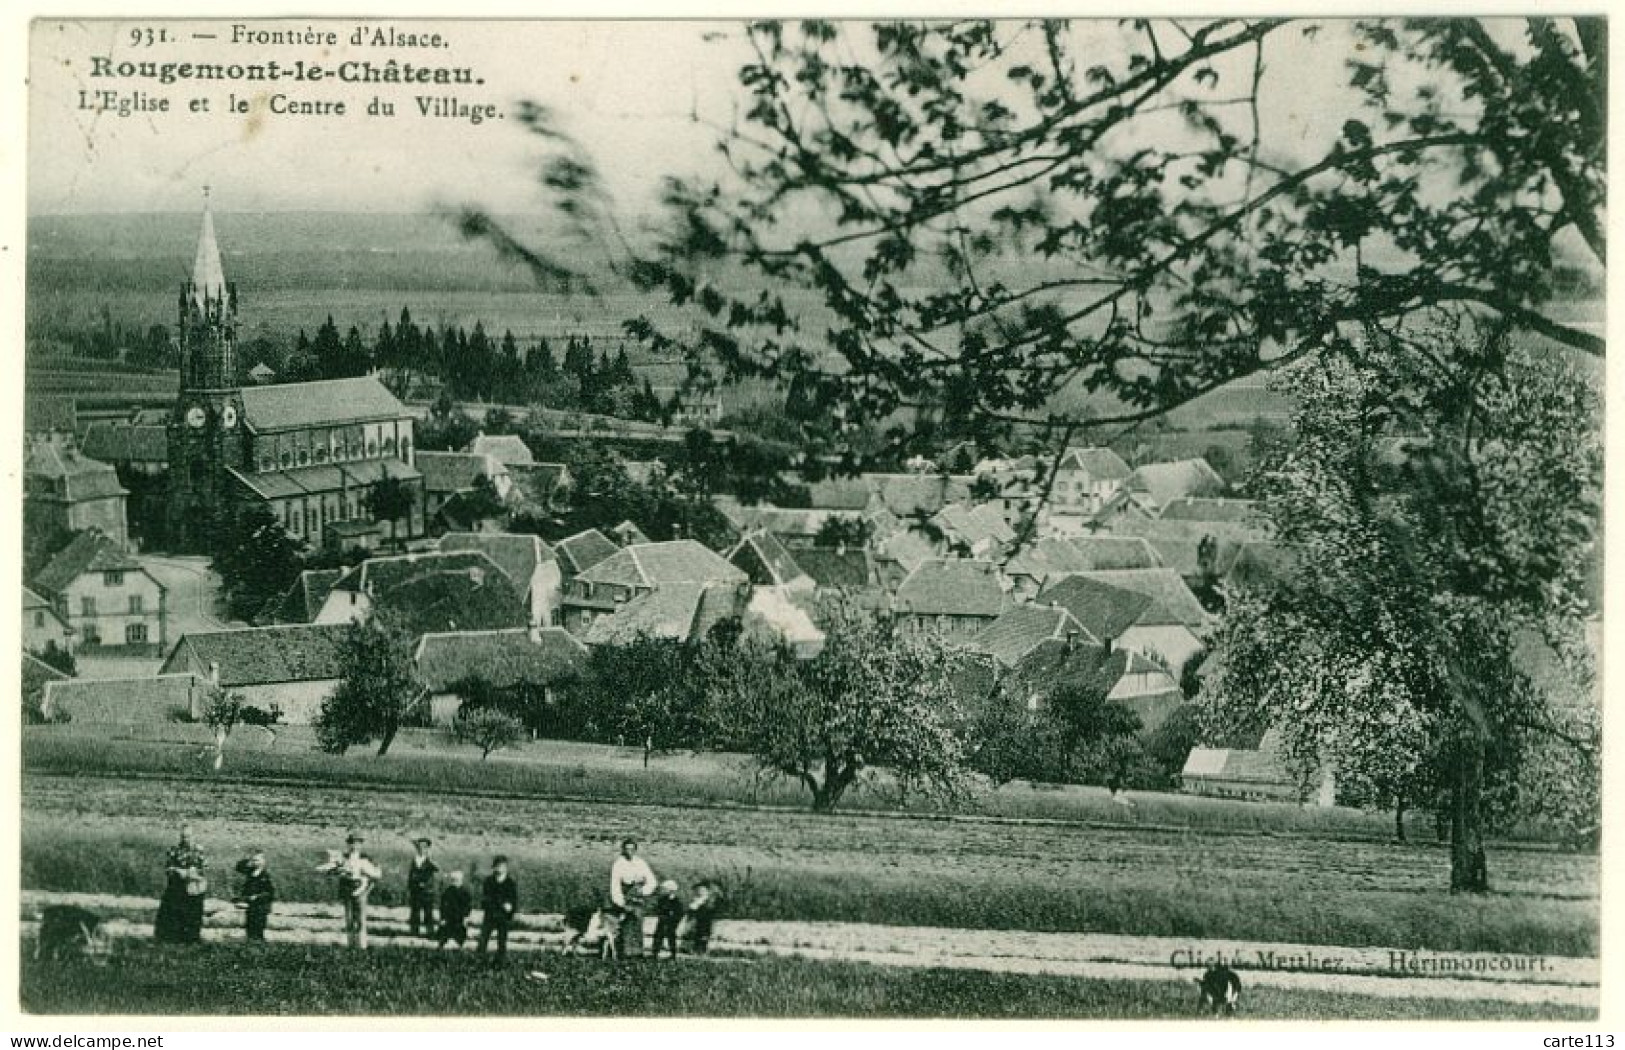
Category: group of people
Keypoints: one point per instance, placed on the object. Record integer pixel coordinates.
(437, 911)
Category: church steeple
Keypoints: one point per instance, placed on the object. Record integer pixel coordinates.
(208, 275)
(208, 317)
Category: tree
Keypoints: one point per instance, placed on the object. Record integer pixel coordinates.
(390, 499)
(487, 729)
(1439, 523)
(647, 687)
(836, 531)
(874, 699)
(222, 711)
(57, 656)
(377, 689)
(256, 559)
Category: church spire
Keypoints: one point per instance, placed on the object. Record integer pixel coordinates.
(208, 275)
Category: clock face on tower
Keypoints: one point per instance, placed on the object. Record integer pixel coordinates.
(228, 416)
(195, 416)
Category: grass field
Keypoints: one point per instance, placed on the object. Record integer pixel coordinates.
(108, 834)
(431, 760)
(273, 979)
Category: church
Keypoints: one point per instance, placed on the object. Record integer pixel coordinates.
(307, 452)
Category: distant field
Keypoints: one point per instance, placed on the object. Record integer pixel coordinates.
(274, 979)
(107, 833)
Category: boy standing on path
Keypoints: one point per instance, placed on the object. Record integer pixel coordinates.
(499, 902)
(420, 878)
(256, 893)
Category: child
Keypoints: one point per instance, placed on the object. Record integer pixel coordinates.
(668, 916)
(256, 893)
(455, 905)
(702, 914)
(500, 900)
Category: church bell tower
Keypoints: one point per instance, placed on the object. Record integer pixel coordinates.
(206, 428)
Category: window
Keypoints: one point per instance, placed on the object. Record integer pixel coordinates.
(87, 606)
(135, 634)
(287, 459)
(135, 605)
(389, 446)
(372, 448)
(114, 578)
(267, 464)
(39, 619)
(321, 454)
(304, 457)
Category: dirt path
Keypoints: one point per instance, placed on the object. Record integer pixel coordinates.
(1379, 972)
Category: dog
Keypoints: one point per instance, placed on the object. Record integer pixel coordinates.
(590, 928)
(67, 931)
(1221, 991)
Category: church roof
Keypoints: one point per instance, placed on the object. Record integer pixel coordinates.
(208, 275)
(328, 402)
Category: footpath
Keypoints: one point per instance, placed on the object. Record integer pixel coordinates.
(1367, 971)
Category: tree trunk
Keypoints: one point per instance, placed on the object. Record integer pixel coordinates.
(1399, 819)
(1468, 872)
(389, 738)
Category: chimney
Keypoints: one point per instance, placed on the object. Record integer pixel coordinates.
(214, 673)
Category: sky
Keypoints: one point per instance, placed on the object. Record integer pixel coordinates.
(627, 91)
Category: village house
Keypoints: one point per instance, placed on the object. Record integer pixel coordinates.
(508, 449)
(304, 599)
(72, 492)
(1085, 479)
(627, 533)
(450, 474)
(43, 626)
(1017, 632)
(544, 658)
(138, 448)
(431, 591)
(1124, 619)
(760, 556)
(1255, 773)
(526, 560)
(103, 594)
(1197, 550)
(579, 552)
(635, 571)
(956, 597)
(1165, 483)
(539, 488)
(289, 668)
(685, 611)
(36, 675)
(975, 530)
(1126, 677)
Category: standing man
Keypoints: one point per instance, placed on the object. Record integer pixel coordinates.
(356, 874)
(256, 893)
(631, 883)
(420, 886)
(499, 902)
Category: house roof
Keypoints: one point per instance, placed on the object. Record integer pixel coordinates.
(303, 652)
(1178, 542)
(517, 554)
(763, 558)
(452, 591)
(1165, 587)
(262, 372)
(785, 521)
(507, 449)
(391, 570)
(684, 611)
(303, 601)
(324, 477)
(954, 587)
(911, 494)
(1101, 464)
(908, 549)
(578, 553)
(89, 551)
(327, 402)
(1104, 611)
(34, 600)
(1261, 765)
(81, 477)
(836, 567)
(1058, 660)
(122, 701)
(838, 494)
(36, 672)
(974, 523)
(117, 442)
(1208, 508)
(501, 658)
(1058, 555)
(447, 472)
(656, 564)
(1020, 630)
(1166, 482)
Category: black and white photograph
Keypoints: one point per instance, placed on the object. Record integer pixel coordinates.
(945, 518)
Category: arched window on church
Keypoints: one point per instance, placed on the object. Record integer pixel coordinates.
(389, 446)
(287, 458)
(321, 453)
(406, 449)
(372, 448)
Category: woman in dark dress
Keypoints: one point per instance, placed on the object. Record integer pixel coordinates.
(180, 910)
